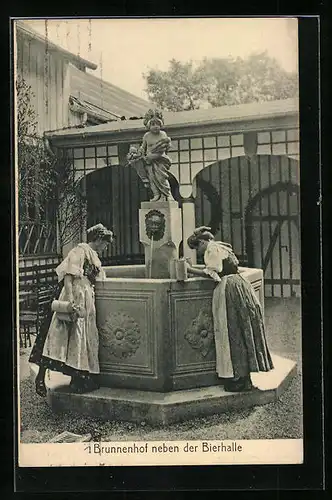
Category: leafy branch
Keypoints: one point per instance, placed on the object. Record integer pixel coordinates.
(220, 82)
(44, 178)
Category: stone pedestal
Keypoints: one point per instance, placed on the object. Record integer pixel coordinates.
(160, 229)
(159, 409)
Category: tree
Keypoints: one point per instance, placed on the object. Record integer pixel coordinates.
(45, 179)
(179, 88)
(257, 78)
(220, 82)
(35, 173)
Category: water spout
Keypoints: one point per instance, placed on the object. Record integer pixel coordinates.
(151, 256)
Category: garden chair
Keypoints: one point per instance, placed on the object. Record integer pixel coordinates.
(31, 319)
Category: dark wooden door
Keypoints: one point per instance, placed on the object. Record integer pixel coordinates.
(253, 204)
(273, 238)
(114, 195)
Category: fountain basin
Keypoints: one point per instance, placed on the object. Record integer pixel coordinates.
(157, 334)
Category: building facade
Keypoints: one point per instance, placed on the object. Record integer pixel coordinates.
(63, 96)
(234, 168)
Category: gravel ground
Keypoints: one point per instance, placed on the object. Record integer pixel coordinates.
(281, 419)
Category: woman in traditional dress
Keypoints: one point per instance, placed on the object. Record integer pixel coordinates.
(72, 347)
(240, 340)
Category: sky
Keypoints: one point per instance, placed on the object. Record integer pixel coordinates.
(123, 49)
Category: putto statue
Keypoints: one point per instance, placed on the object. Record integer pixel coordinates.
(150, 160)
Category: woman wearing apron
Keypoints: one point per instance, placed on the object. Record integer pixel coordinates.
(240, 340)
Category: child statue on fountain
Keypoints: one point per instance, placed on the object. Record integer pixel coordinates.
(153, 153)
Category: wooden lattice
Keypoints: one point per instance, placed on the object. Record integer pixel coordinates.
(37, 238)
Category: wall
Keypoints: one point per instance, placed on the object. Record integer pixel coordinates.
(48, 74)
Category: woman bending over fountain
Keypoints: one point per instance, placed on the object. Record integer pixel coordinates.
(240, 340)
(72, 347)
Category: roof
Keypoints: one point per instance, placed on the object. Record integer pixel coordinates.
(105, 98)
(94, 113)
(224, 114)
(29, 32)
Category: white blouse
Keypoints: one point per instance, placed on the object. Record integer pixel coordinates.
(73, 263)
(214, 255)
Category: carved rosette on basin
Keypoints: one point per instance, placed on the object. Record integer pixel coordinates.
(199, 333)
(120, 335)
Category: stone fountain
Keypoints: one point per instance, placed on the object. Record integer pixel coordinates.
(157, 355)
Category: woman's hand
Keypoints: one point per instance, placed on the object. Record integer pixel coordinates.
(79, 311)
(75, 307)
(189, 267)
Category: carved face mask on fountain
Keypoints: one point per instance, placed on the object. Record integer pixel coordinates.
(155, 225)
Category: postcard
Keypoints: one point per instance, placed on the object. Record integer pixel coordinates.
(158, 241)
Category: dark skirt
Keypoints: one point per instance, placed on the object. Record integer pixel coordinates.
(36, 355)
(248, 346)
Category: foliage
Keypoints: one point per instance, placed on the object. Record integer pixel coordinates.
(70, 202)
(179, 88)
(44, 180)
(35, 164)
(220, 82)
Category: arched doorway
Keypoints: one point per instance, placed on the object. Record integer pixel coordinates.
(114, 196)
(227, 188)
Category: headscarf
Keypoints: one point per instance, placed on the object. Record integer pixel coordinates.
(200, 233)
(99, 231)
